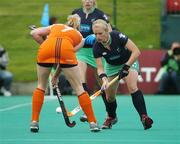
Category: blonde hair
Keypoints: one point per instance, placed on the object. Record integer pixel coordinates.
(74, 21)
(94, 3)
(101, 23)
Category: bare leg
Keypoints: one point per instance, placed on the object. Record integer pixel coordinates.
(138, 99)
(43, 75)
(38, 96)
(82, 70)
(111, 105)
(137, 96)
(131, 81)
(73, 76)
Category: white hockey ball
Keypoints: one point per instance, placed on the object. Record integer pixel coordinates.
(58, 110)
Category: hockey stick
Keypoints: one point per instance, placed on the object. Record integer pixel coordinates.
(78, 108)
(32, 27)
(66, 118)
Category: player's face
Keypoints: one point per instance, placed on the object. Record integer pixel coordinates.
(88, 4)
(101, 34)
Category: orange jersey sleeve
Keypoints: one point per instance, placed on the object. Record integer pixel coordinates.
(64, 31)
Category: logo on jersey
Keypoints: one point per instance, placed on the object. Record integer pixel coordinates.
(105, 16)
(118, 50)
(104, 53)
(121, 35)
(115, 57)
(69, 60)
(92, 20)
(85, 28)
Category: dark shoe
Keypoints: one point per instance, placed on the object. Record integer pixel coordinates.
(109, 121)
(147, 122)
(34, 127)
(83, 118)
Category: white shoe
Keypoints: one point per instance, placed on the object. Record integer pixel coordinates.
(94, 127)
(5, 92)
(34, 126)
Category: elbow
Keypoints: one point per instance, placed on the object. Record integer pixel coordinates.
(138, 53)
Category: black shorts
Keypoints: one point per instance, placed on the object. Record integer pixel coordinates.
(54, 65)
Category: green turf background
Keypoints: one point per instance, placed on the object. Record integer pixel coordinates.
(139, 19)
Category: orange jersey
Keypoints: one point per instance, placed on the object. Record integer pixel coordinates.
(59, 45)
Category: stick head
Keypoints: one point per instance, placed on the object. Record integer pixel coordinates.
(71, 124)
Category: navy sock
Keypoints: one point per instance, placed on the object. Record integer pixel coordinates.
(110, 106)
(139, 103)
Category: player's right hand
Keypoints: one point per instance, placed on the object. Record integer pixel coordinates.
(90, 40)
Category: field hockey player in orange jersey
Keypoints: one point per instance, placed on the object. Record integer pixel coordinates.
(62, 41)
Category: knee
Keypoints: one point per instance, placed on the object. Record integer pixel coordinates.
(79, 90)
(132, 89)
(110, 98)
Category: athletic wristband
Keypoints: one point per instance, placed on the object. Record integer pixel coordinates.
(102, 75)
(126, 67)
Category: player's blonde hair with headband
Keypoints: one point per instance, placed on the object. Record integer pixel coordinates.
(74, 21)
(102, 24)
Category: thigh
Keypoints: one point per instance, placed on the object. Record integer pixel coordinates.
(111, 91)
(82, 69)
(43, 75)
(73, 76)
(131, 81)
(98, 80)
(85, 57)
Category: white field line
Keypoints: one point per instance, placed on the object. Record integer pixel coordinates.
(150, 141)
(47, 98)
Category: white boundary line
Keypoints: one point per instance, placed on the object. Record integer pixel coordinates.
(47, 98)
(14, 107)
(169, 141)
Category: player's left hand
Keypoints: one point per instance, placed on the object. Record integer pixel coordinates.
(105, 84)
(124, 71)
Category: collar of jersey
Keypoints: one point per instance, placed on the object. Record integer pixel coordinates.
(91, 11)
(109, 42)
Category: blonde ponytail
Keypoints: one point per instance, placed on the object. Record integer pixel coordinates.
(74, 21)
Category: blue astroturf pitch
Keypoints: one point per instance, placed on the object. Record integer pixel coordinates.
(15, 115)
